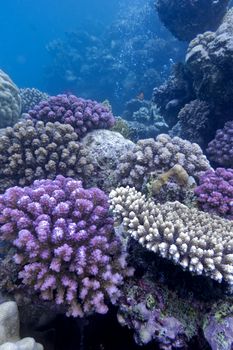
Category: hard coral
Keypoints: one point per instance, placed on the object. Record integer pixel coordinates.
(215, 193)
(159, 155)
(190, 238)
(10, 102)
(83, 115)
(221, 148)
(30, 97)
(32, 151)
(65, 245)
(187, 18)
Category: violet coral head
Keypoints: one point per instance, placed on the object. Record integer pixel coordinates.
(215, 192)
(84, 115)
(65, 244)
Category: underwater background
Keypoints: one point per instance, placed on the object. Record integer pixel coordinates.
(116, 175)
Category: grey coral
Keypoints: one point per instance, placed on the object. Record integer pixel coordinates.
(159, 155)
(196, 241)
(10, 101)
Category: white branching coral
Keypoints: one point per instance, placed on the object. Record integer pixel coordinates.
(196, 241)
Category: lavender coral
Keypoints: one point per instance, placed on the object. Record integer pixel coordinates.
(220, 149)
(83, 115)
(65, 245)
(215, 193)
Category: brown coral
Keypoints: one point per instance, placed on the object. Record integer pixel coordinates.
(30, 151)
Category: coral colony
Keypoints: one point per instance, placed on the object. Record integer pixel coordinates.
(65, 245)
(154, 238)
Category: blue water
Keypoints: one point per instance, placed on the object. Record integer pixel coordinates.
(27, 26)
(113, 62)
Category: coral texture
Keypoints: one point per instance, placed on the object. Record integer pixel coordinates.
(65, 244)
(159, 155)
(209, 59)
(104, 149)
(215, 193)
(193, 120)
(220, 149)
(10, 102)
(30, 151)
(30, 97)
(9, 330)
(186, 18)
(192, 239)
(172, 185)
(83, 115)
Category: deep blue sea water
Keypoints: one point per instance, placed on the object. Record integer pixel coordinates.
(26, 26)
(113, 59)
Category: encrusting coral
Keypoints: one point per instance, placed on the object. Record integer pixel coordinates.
(10, 101)
(160, 155)
(65, 245)
(30, 151)
(190, 238)
(83, 115)
(177, 171)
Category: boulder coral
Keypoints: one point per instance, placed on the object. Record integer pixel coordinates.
(10, 101)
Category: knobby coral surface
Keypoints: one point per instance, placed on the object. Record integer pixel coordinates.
(30, 151)
(30, 97)
(65, 244)
(220, 149)
(159, 155)
(190, 238)
(83, 115)
(215, 192)
(10, 101)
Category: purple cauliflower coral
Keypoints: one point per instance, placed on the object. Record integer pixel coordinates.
(83, 115)
(220, 149)
(215, 193)
(63, 235)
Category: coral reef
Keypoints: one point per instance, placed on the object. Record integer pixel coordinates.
(30, 151)
(131, 55)
(104, 149)
(123, 128)
(159, 155)
(10, 102)
(186, 18)
(193, 121)
(144, 119)
(215, 192)
(192, 239)
(172, 185)
(220, 148)
(209, 59)
(83, 115)
(174, 93)
(65, 246)
(30, 97)
(156, 314)
(9, 330)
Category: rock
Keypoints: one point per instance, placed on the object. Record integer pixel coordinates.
(9, 330)
(104, 149)
(9, 322)
(23, 344)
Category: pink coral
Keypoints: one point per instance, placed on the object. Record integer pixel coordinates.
(65, 245)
